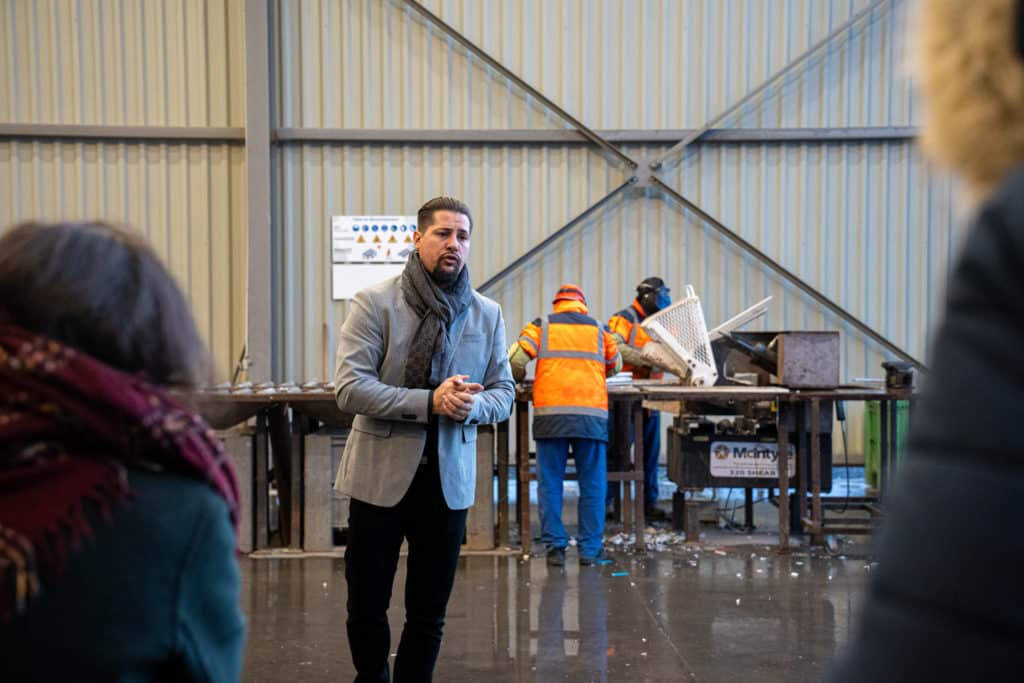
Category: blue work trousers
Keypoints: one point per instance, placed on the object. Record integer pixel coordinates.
(589, 454)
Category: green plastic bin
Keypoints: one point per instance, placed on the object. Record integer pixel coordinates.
(873, 438)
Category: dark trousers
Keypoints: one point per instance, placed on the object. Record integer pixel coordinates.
(375, 535)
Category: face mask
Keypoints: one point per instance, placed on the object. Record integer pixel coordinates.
(663, 299)
(653, 301)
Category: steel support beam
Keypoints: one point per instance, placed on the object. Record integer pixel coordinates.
(676, 151)
(259, 330)
(471, 136)
(787, 274)
(479, 136)
(39, 131)
(477, 51)
(550, 239)
(809, 135)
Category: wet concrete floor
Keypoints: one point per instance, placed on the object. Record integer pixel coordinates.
(720, 613)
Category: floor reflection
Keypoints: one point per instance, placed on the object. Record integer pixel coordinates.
(715, 615)
(571, 630)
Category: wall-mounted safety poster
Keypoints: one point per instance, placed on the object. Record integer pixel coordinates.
(368, 249)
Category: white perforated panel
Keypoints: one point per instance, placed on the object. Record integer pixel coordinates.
(681, 328)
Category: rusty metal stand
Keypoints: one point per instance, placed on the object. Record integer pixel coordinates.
(782, 462)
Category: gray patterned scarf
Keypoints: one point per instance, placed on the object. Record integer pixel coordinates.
(436, 307)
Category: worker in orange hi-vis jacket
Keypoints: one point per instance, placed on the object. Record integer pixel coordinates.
(574, 354)
(651, 296)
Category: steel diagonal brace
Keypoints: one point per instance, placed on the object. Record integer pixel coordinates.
(550, 239)
(675, 152)
(787, 274)
(586, 132)
(479, 52)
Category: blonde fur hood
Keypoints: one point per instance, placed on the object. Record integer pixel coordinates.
(972, 80)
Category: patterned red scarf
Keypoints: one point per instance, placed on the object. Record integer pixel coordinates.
(69, 427)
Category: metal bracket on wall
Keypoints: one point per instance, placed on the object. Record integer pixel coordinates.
(646, 174)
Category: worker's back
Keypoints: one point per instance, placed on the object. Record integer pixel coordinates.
(574, 354)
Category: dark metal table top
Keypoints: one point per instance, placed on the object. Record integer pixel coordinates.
(226, 406)
(769, 393)
(658, 390)
(266, 393)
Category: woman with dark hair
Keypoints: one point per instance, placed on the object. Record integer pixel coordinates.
(118, 508)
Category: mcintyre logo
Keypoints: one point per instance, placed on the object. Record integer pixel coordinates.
(723, 451)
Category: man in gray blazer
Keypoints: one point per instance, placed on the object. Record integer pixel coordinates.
(421, 362)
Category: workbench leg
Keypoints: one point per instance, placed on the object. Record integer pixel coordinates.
(262, 484)
(748, 509)
(523, 473)
(502, 460)
(818, 521)
(883, 448)
(638, 466)
(782, 463)
(802, 471)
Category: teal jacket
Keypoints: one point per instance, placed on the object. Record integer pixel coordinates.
(152, 596)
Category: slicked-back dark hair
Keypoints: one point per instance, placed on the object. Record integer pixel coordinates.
(102, 290)
(425, 216)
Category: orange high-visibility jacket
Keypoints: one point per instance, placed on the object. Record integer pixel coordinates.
(626, 324)
(573, 352)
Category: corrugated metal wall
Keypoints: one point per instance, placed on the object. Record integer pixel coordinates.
(359, 64)
(135, 63)
(187, 199)
(651, 64)
(867, 223)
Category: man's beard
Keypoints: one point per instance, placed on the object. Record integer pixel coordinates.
(445, 278)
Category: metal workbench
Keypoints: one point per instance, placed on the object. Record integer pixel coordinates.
(789, 404)
(224, 409)
(302, 426)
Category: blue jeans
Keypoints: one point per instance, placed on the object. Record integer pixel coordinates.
(652, 449)
(589, 455)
